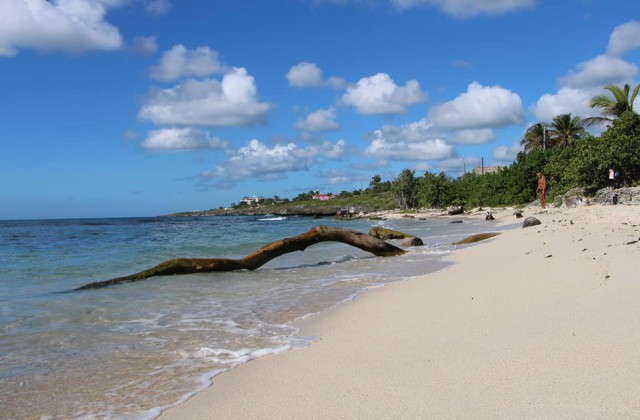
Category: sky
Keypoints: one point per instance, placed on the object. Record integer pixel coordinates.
(118, 108)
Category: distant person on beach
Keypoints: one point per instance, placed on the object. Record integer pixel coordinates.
(613, 177)
(542, 189)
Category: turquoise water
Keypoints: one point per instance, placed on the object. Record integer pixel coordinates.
(131, 350)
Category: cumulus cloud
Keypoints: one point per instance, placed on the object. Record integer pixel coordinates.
(411, 142)
(306, 74)
(480, 136)
(72, 26)
(624, 38)
(379, 94)
(144, 45)
(417, 131)
(566, 101)
(181, 140)
(320, 120)
(468, 8)
(424, 130)
(480, 107)
(434, 149)
(600, 71)
(257, 159)
(180, 62)
(230, 102)
(506, 154)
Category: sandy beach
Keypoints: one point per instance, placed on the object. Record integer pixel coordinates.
(542, 322)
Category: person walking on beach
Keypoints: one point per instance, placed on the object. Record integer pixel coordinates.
(542, 189)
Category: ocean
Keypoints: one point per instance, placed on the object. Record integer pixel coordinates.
(129, 351)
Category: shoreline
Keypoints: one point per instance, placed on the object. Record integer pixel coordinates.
(552, 333)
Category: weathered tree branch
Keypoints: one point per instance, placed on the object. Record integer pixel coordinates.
(275, 249)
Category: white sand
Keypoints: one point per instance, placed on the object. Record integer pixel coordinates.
(538, 323)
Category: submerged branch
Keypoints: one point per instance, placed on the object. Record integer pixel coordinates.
(275, 249)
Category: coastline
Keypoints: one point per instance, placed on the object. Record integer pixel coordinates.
(537, 323)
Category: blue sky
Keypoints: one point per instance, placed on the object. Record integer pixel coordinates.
(147, 107)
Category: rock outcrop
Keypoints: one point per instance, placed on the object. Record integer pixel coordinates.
(531, 221)
(628, 195)
(412, 242)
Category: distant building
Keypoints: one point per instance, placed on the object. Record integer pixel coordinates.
(480, 170)
(322, 197)
(251, 200)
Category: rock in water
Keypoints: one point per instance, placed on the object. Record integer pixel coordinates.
(476, 238)
(411, 242)
(385, 233)
(531, 221)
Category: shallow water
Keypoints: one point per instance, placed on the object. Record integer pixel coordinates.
(131, 350)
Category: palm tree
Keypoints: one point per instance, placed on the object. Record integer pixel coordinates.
(566, 129)
(612, 108)
(536, 138)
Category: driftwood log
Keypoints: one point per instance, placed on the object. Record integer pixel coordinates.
(275, 249)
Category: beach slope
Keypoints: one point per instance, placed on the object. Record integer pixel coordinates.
(542, 322)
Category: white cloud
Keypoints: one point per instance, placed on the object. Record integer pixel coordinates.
(397, 148)
(566, 101)
(468, 8)
(506, 154)
(72, 26)
(306, 74)
(624, 38)
(421, 140)
(333, 150)
(181, 140)
(480, 107)
(418, 131)
(598, 72)
(180, 62)
(144, 45)
(480, 136)
(256, 159)
(230, 102)
(320, 120)
(379, 94)
(158, 7)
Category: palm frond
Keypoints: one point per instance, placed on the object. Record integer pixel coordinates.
(595, 121)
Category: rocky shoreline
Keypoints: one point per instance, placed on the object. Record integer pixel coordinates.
(573, 198)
